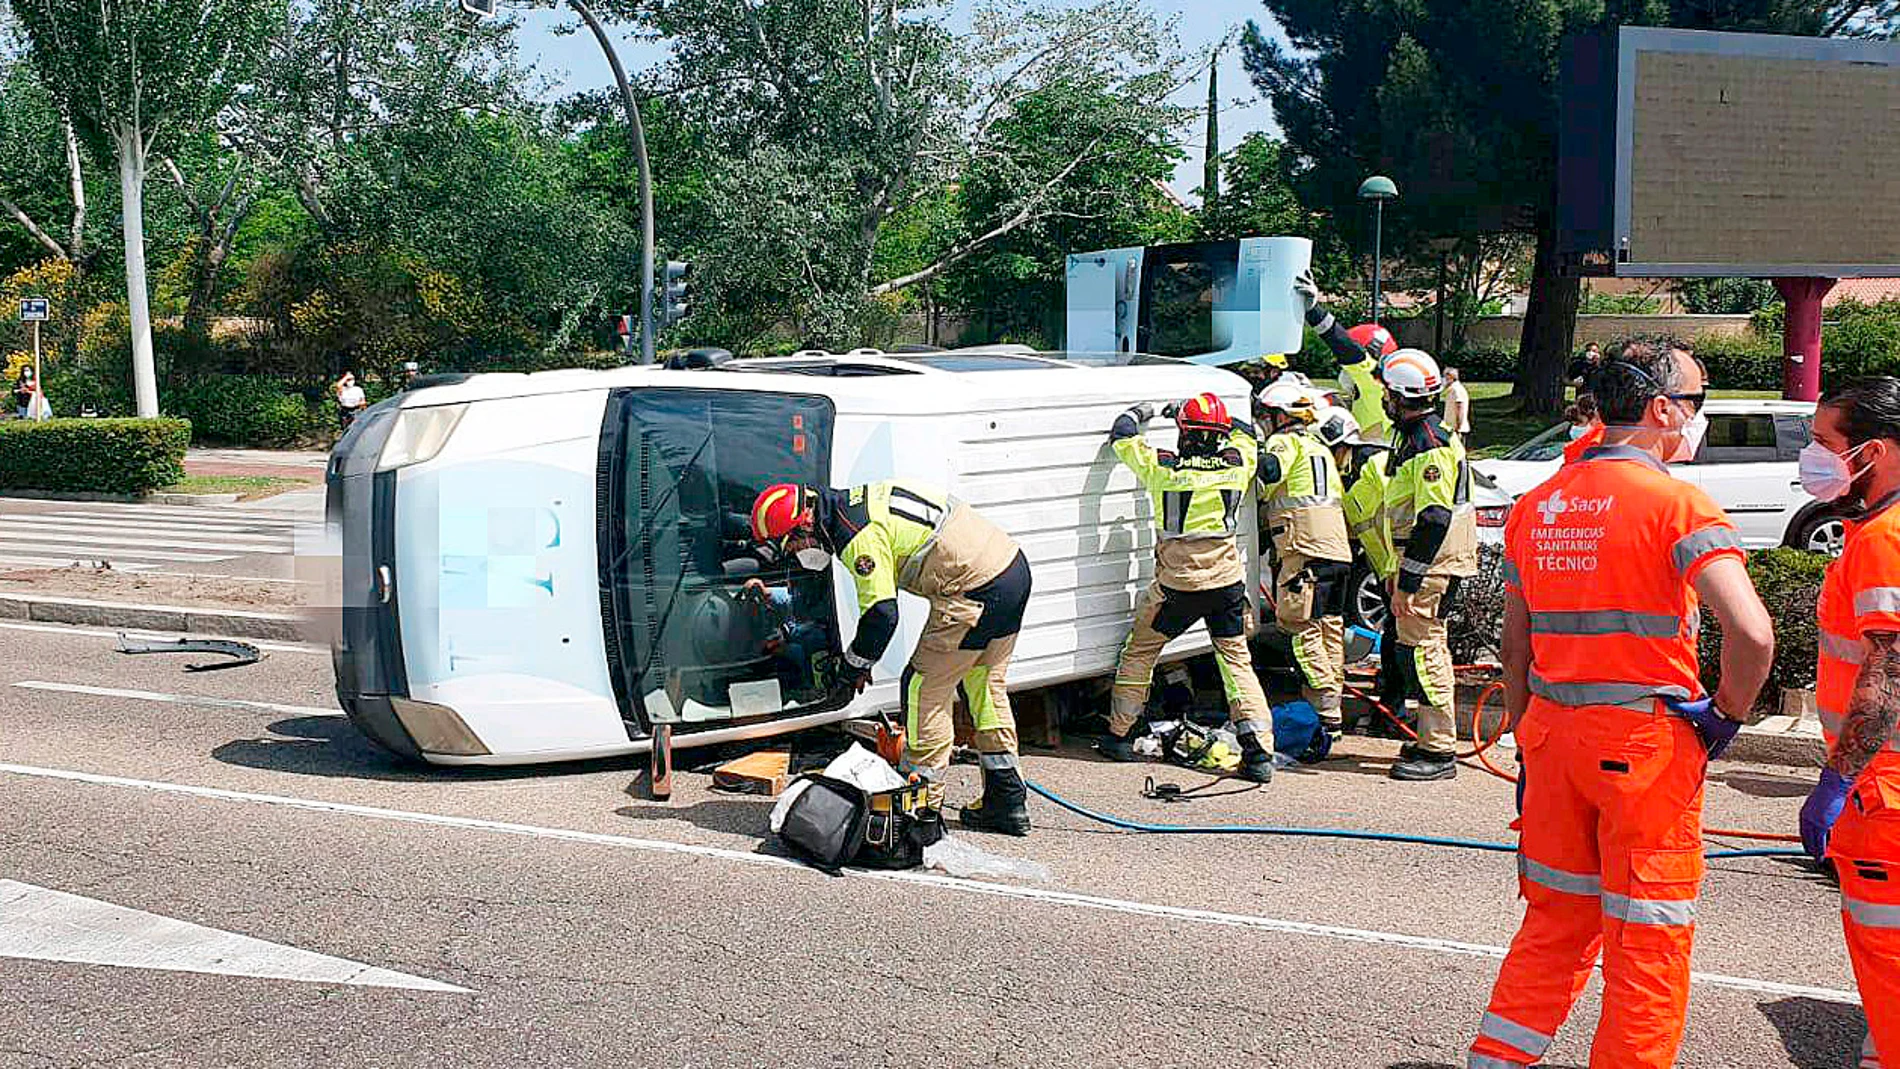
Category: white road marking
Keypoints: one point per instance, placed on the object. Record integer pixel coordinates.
(207, 523)
(92, 632)
(39, 924)
(89, 535)
(1033, 894)
(79, 548)
(178, 699)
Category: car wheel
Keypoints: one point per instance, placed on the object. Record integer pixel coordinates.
(1824, 532)
(1365, 601)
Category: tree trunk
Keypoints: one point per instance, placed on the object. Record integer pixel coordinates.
(1550, 324)
(207, 263)
(131, 148)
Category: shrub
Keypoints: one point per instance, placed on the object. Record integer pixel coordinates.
(242, 410)
(1789, 582)
(1748, 362)
(101, 456)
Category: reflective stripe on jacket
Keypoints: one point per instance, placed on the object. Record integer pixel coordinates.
(1605, 554)
(1428, 474)
(1300, 498)
(1861, 593)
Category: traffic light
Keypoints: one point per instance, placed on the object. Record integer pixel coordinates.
(678, 283)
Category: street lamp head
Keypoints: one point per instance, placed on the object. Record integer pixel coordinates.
(1378, 187)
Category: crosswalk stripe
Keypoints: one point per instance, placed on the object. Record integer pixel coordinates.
(199, 512)
(220, 518)
(87, 535)
(244, 530)
(82, 549)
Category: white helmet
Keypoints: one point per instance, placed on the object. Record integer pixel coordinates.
(1413, 375)
(1336, 428)
(1283, 395)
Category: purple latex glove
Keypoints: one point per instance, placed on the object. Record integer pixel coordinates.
(1821, 810)
(1717, 731)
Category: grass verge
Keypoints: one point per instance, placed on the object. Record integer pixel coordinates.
(247, 487)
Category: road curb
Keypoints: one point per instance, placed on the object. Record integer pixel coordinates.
(229, 623)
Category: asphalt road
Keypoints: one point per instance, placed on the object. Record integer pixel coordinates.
(560, 919)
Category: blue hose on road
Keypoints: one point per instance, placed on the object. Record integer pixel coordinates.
(1332, 833)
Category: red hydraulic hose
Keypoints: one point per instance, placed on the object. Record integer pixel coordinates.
(1483, 744)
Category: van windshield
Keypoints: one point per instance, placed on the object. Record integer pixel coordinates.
(692, 643)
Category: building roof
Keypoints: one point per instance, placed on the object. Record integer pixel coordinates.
(1864, 290)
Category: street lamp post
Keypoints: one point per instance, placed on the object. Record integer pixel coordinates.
(1378, 189)
(637, 138)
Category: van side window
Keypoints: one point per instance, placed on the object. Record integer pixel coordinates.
(1736, 438)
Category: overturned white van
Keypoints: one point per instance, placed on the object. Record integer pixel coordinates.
(550, 567)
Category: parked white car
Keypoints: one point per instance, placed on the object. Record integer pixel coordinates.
(1747, 464)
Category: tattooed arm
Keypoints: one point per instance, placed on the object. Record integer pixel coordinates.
(1874, 709)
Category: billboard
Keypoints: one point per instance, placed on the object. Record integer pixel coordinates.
(1687, 153)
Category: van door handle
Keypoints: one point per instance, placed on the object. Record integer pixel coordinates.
(385, 583)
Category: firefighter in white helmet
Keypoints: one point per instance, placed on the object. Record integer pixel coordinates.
(1300, 508)
(1435, 531)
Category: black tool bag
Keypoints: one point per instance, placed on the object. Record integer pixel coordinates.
(834, 823)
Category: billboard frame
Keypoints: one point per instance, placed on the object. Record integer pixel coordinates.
(1583, 247)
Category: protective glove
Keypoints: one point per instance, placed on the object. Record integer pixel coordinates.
(1143, 412)
(1820, 811)
(1717, 731)
(1169, 410)
(1306, 290)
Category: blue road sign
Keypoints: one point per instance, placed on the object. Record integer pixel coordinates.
(33, 310)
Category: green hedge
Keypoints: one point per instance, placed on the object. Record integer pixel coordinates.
(100, 456)
(1789, 582)
(250, 410)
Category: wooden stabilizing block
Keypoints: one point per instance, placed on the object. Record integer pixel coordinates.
(764, 772)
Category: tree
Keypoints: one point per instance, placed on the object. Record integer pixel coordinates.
(42, 175)
(1726, 296)
(218, 210)
(1457, 100)
(132, 76)
(820, 121)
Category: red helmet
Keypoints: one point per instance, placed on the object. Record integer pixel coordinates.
(1204, 412)
(779, 511)
(1366, 335)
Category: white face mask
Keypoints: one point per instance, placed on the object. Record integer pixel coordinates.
(1692, 435)
(813, 559)
(1825, 473)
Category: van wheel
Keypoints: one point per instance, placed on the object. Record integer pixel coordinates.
(1823, 532)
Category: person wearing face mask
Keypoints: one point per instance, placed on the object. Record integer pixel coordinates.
(1199, 573)
(1607, 565)
(1853, 814)
(1435, 532)
(908, 536)
(1303, 518)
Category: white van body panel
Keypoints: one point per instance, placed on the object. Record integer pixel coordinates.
(500, 612)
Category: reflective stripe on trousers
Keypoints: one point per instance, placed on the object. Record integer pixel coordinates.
(1865, 848)
(1636, 697)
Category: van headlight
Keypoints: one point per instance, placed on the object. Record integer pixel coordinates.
(419, 434)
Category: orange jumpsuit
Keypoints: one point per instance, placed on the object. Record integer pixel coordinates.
(1862, 594)
(1604, 554)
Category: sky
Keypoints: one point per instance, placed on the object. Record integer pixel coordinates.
(573, 62)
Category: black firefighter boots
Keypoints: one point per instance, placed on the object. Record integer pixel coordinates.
(1118, 747)
(1423, 765)
(1004, 807)
(1256, 761)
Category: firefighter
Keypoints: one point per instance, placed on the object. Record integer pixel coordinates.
(1199, 573)
(1855, 460)
(1606, 566)
(1362, 473)
(1360, 352)
(907, 536)
(1435, 533)
(1301, 514)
